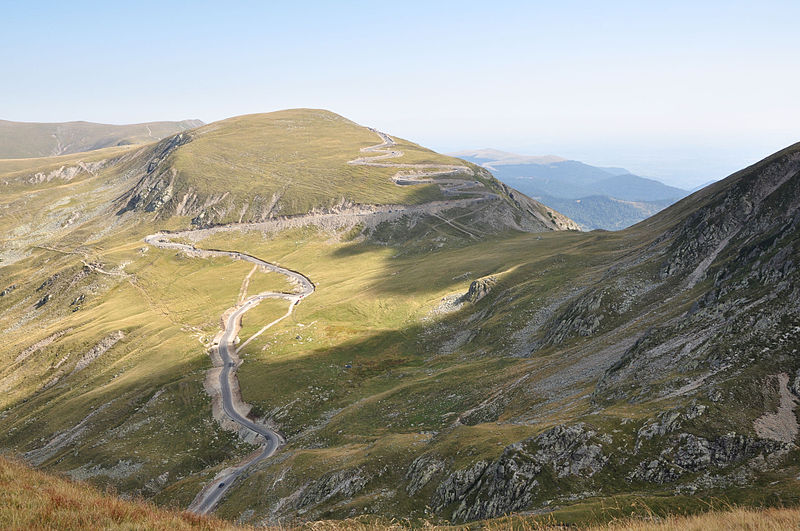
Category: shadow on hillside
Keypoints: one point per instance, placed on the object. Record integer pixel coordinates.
(425, 265)
(401, 366)
(164, 408)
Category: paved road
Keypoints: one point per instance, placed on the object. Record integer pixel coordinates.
(209, 497)
(420, 173)
(423, 173)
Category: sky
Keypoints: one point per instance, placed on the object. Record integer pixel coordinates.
(686, 92)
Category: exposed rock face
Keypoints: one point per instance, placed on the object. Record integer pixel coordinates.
(422, 471)
(511, 483)
(39, 345)
(741, 245)
(742, 207)
(44, 300)
(551, 217)
(692, 454)
(580, 318)
(570, 451)
(98, 350)
(478, 289)
(343, 483)
(457, 485)
(67, 173)
(8, 290)
(780, 425)
(155, 188)
(63, 439)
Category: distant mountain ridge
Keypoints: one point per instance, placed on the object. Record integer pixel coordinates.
(615, 214)
(23, 140)
(461, 356)
(595, 197)
(496, 157)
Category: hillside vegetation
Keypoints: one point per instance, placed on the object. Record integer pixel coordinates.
(20, 140)
(35, 500)
(256, 167)
(459, 359)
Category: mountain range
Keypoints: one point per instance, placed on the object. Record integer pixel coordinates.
(595, 197)
(31, 140)
(290, 316)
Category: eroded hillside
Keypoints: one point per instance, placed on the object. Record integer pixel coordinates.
(461, 356)
(105, 366)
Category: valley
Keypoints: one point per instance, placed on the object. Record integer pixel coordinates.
(228, 387)
(452, 351)
(594, 197)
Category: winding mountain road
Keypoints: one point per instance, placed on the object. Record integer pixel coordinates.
(208, 498)
(423, 173)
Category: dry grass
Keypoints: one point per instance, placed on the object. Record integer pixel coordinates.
(30, 499)
(736, 518)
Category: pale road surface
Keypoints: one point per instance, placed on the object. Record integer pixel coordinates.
(208, 498)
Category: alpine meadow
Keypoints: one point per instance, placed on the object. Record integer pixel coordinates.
(298, 319)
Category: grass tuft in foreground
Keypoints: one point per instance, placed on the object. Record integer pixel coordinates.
(30, 499)
(736, 518)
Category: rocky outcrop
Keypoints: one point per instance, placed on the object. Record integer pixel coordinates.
(41, 302)
(98, 350)
(741, 207)
(456, 486)
(63, 439)
(67, 173)
(8, 290)
(39, 345)
(155, 188)
(478, 289)
(345, 483)
(691, 453)
(511, 483)
(780, 425)
(571, 450)
(580, 317)
(421, 471)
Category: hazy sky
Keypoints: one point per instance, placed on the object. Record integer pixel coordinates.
(683, 91)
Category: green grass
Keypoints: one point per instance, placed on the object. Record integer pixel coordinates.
(299, 155)
(371, 309)
(363, 377)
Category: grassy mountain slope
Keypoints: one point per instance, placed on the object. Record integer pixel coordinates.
(256, 167)
(35, 500)
(598, 365)
(287, 162)
(32, 140)
(449, 366)
(105, 355)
